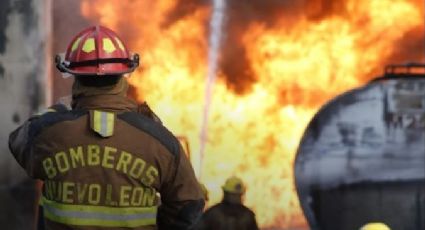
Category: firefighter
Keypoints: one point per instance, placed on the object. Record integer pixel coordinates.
(230, 213)
(375, 226)
(107, 162)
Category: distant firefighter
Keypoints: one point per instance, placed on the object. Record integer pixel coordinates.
(375, 226)
(230, 213)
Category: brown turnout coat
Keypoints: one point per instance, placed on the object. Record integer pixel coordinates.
(108, 164)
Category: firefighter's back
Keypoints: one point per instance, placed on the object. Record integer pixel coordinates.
(106, 163)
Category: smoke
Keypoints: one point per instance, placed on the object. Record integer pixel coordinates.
(4, 9)
(411, 48)
(234, 65)
(321, 9)
(233, 62)
(182, 9)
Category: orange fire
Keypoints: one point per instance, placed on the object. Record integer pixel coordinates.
(297, 63)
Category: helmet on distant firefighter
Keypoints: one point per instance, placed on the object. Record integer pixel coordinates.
(97, 51)
(375, 226)
(234, 185)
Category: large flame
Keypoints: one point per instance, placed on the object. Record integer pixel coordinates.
(297, 63)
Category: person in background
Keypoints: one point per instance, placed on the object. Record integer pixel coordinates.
(230, 213)
(107, 163)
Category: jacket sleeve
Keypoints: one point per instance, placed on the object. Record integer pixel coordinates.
(21, 141)
(181, 197)
(20, 146)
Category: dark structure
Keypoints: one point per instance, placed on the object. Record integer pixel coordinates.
(401, 205)
(362, 157)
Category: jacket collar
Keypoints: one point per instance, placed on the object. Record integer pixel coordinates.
(111, 103)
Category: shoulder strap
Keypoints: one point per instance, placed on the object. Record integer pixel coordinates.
(147, 111)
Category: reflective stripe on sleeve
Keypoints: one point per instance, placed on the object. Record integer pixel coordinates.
(102, 216)
(103, 123)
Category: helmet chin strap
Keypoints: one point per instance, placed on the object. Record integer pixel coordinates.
(63, 67)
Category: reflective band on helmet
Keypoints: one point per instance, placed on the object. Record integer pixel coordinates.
(89, 45)
(102, 216)
(103, 123)
(108, 46)
(75, 45)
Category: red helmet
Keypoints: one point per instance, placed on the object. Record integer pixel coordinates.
(97, 50)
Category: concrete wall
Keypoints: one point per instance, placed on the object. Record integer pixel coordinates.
(24, 89)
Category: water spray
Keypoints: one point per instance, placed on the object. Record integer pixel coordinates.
(216, 25)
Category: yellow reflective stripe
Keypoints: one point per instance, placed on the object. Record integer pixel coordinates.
(108, 46)
(89, 45)
(100, 223)
(97, 121)
(109, 124)
(75, 45)
(103, 123)
(86, 215)
(92, 208)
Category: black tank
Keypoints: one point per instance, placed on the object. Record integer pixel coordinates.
(362, 157)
